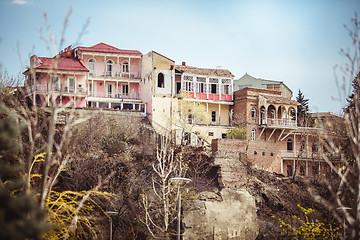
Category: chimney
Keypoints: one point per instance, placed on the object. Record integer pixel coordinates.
(183, 64)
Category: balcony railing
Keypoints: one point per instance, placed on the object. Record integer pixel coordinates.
(280, 122)
(101, 94)
(131, 75)
(301, 154)
(44, 89)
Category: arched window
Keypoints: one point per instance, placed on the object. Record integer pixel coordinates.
(253, 112)
(292, 114)
(161, 83)
(262, 116)
(289, 145)
(109, 68)
(253, 135)
(91, 66)
(272, 114)
(125, 67)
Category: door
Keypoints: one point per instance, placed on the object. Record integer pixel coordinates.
(110, 90)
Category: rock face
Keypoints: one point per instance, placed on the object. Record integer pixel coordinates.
(232, 218)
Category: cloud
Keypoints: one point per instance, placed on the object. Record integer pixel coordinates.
(20, 2)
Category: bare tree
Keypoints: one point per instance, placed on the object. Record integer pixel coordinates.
(159, 203)
(344, 202)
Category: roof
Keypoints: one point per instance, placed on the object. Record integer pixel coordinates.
(248, 78)
(106, 48)
(204, 71)
(61, 63)
(278, 99)
(323, 115)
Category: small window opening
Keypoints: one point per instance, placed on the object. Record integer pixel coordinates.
(161, 83)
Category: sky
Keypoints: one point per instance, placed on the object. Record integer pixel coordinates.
(297, 42)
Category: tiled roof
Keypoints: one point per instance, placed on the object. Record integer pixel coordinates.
(277, 99)
(106, 48)
(204, 71)
(324, 114)
(62, 64)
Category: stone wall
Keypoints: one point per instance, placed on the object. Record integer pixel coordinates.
(234, 217)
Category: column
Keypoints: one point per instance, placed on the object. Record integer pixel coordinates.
(129, 67)
(219, 113)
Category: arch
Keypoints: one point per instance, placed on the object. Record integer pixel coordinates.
(289, 145)
(292, 113)
(262, 115)
(109, 67)
(271, 113)
(160, 80)
(125, 66)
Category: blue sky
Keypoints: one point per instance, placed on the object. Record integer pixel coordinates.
(297, 42)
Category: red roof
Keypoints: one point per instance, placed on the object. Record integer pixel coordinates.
(61, 64)
(105, 48)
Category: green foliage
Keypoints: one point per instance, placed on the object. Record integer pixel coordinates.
(20, 215)
(302, 109)
(237, 133)
(308, 230)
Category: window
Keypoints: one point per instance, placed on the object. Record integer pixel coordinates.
(125, 89)
(125, 67)
(71, 85)
(289, 170)
(253, 112)
(55, 83)
(213, 116)
(201, 88)
(91, 66)
(302, 145)
(109, 89)
(161, 83)
(315, 148)
(188, 84)
(315, 170)
(90, 88)
(201, 84)
(226, 90)
(213, 87)
(302, 170)
(211, 134)
(223, 135)
(109, 68)
(190, 118)
(178, 87)
(272, 114)
(226, 86)
(253, 135)
(289, 145)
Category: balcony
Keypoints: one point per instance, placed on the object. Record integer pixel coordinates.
(44, 89)
(112, 74)
(101, 94)
(279, 122)
(301, 154)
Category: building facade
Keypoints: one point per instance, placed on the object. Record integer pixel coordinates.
(189, 104)
(276, 142)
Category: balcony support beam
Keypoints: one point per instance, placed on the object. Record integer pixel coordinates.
(261, 133)
(271, 134)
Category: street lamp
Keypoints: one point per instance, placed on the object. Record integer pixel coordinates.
(110, 220)
(344, 208)
(179, 180)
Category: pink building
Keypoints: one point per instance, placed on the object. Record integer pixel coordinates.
(58, 80)
(100, 76)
